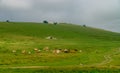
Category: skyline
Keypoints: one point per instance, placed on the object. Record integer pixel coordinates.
(96, 13)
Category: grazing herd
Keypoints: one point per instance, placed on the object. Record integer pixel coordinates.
(47, 49)
(50, 37)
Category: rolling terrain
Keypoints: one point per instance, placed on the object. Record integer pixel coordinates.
(95, 47)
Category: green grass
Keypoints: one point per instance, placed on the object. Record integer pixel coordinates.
(60, 70)
(95, 44)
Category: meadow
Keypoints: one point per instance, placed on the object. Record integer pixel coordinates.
(60, 70)
(96, 48)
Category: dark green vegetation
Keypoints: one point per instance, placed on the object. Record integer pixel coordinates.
(98, 47)
(59, 70)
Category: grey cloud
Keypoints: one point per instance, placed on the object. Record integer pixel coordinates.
(97, 13)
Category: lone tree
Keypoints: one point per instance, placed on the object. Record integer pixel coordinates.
(7, 21)
(46, 22)
(55, 23)
(84, 25)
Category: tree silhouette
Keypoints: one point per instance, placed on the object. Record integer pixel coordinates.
(7, 21)
(46, 22)
(55, 23)
(84, 25)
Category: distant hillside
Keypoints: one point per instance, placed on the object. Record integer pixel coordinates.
(67, 31)
(95, 47)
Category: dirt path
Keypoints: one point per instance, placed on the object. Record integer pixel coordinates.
(22, 67)
(107, 60)
(57, 67)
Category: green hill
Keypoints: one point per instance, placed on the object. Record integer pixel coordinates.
(95, 47)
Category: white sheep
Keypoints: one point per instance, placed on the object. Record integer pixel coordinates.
(46, 49)
(80, 51)
(29, 52)
(57, 51)
(35, 49)
(14, 51)
(23, 51)
(38, 51)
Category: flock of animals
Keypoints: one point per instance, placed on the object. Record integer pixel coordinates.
(47, 49)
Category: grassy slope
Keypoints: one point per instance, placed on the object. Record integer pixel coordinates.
(61, 70)
(95, 44)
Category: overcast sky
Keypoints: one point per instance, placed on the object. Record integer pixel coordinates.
(98, 13)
